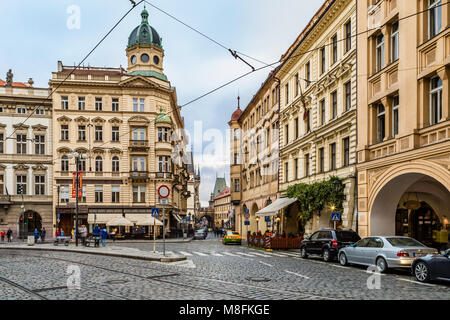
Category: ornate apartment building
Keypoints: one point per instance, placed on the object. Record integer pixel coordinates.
(318, 111)
(25, 157)
(127, 124)
(403, 118)
(254, 155)
(222, 209)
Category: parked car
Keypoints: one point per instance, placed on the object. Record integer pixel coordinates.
(232, 237)
(432, 267)
(200, 235)
(327, 242)
(384, 252)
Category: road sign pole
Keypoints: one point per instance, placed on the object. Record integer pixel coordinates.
(154, 235)
(164, 232)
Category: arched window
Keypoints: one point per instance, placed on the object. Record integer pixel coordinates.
(65, 163)
(98, 164)
(115, 164)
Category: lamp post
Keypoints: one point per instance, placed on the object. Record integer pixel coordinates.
(77, 157)
(278, 219)
(56, 211)
(257, 224)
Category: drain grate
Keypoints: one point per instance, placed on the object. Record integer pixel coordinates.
(258, 279)
(119, 281)
(164, 276)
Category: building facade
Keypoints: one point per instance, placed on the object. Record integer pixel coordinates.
(318, 111)
(193, 187)
(26, 170)
(403, 118)
(127, 124)
(222, 209)
(254, 156)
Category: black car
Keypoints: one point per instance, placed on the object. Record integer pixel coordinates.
(432, 267)
(327, 243)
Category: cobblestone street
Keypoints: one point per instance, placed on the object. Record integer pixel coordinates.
(212, 271)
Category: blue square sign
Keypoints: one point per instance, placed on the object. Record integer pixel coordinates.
(335, 216)
(155, 212)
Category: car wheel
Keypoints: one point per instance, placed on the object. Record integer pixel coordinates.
(326, 255)
(303, 253)
(422, 272)
(381, 265)
(343, 259)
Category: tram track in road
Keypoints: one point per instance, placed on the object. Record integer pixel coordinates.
(290, 293)
(22, 288)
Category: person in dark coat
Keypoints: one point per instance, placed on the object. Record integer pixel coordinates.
(9, 235)
(43, 233)
(96, 232)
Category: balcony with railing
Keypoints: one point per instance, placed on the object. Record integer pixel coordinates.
(139, 175)
(139, 145)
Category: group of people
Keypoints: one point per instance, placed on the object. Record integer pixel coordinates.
(7, 234)
(99, 234)
(39, 234)
(218, 232)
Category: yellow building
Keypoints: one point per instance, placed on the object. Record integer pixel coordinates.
(403, 118)
(125, 123)
(318, 111)
(254, 156)
(222, 209)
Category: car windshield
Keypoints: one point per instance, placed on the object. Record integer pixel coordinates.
(347, 236)
(199, 231)
(232, 233)
(404, 242)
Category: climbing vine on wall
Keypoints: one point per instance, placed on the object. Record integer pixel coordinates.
(315, 197)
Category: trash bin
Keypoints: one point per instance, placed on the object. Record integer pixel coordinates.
(31, 240)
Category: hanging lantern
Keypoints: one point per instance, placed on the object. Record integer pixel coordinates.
(412, 204)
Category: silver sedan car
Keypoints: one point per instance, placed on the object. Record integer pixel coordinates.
(384, 252)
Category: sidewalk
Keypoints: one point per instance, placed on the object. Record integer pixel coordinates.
(111, 250)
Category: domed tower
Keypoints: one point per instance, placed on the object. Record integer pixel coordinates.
(145, 52)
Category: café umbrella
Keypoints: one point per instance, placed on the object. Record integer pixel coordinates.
(149, 221)
(121, 222)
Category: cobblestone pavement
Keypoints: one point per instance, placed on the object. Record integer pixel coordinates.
(212, 271)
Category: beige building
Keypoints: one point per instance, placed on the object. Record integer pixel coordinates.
(222, 209)
(25, 158)
(318, 111)
(125, 122)
(254, 156)
(403, 118)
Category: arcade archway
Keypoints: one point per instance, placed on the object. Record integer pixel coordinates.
(31, 220)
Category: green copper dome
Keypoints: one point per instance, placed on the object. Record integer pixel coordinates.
(144, 33)
(162, 117)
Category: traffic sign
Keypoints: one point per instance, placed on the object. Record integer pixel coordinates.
(163, 201)
(164, 191)
(155, 212)
(246, 222)
(267, 218)
(247, 211)
(247, 216)
(335, 216)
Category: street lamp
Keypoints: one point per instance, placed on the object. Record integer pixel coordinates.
(56, 211)
(278, 219)
(77, 157)
(257, 223)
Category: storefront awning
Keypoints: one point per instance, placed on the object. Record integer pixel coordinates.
(149, 221)
(135, 217)
(120, 222)
(277, 205)
(102, 218)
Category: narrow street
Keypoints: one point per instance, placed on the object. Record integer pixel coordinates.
(211, 272)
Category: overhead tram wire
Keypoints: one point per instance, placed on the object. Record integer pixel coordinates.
(78, 66)
(282, 61)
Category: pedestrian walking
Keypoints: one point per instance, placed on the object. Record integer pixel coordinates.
(104, 235)
(113, 234)
(3, 234)
(43, 233)
(96, 232)
(36, 235)
(83, 234)
(9, 235)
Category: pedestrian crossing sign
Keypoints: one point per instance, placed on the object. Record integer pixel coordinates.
(335, 216)
(155, 212)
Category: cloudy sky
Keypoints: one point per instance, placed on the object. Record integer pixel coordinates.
(35, 35)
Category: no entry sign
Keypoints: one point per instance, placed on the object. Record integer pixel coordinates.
(163, 191)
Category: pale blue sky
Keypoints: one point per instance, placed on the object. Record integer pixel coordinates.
(34, 36)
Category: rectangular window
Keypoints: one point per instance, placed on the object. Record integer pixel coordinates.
(322, 112)
(82, 165)
(65, 103)
(138, 134)
(346, 143)
(98, 194)
(379, 53)
(237, 186)
(64, 194)
(306, 165)
(348, 95)
(115, 194)
(2, 142)
(287, 93)
(348, 36)
(115, 104)
(81, 103)
(40, 111)
(83, 194)
(322, 60)
(395, 106)
(296, 168)
(135, 105)
(141, 105)
(334, 104)
(64, 132)
(39, 185)
(308, 74)
(2, 184)
(164, 134)
(434, 17)
(21, 110)
(98, 133)
(381, 123)
(286, 172)
(335, 48)
(81, 133)
(139, 194)
(98, 104)
(21, 143)
(321, 160)
(333, 156)
(297, 84)
(39, 144)
(286, 133)
(21, 180)
(115, 134)
(296, 128)
(394, 41)
(164, 164)
(435, 100)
